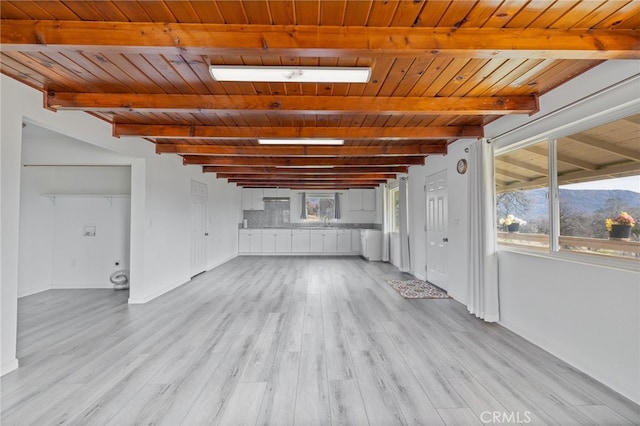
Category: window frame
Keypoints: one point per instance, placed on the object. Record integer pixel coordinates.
(311, 195)
(552, 136)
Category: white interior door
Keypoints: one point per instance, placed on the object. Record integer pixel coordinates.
(437, 227)
(199, 231)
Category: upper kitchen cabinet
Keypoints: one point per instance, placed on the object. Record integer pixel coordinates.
(252, 199)
(277, 193)
(362, 199)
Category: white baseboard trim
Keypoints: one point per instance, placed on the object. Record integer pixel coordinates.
(92, 286)
(8, 366)
(301, 254)
(419, 276)
(221, 262)
(32, 291)
(149, 297)
(627, 390)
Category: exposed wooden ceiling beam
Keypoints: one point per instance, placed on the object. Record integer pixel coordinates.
(314, 41)
(224, 132)
(304, 170)
(419, 149)
(606, 146)
(310, 187)
(280, 183)
(301, 161)
(124, 102)
(302, 178)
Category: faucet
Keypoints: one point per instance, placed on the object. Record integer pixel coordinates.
(327, 221)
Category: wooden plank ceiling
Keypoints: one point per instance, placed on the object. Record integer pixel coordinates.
(440, 71)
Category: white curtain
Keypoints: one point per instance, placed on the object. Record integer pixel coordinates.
(303, 205)
(386, 224)
(483, 259)
(405, 260)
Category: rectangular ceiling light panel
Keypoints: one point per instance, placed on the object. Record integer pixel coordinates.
(301, 141)
(290, 74)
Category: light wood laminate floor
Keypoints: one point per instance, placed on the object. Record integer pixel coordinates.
(285, 341)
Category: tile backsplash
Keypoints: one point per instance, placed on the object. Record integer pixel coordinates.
(275, 214)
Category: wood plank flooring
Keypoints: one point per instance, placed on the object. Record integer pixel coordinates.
(286, 341)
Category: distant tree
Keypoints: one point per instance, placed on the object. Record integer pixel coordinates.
(613, 207)
(573, 223)
(538, 225)
(516, 203)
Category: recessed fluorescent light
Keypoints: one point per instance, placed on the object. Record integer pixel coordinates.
(290, 74)
(300, 141)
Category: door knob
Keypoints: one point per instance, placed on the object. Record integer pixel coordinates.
(445, 240)
(206, 234)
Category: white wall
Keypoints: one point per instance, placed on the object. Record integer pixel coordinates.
(586, 315)
(457, 189)
(583, 313)
(81, 261)
(35, 268)
(160, 199)
(53, 253)
(10, 136)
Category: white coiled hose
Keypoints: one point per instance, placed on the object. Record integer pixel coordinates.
(120, 279)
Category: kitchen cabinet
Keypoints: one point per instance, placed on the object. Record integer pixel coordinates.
(344, 240)
(252, 199)
(283, 241)
(362, 199)
(276, 241)
(250, 241)
(268, 241)
(323, 241)
(277, 192)
(355, 241)
(300, 241)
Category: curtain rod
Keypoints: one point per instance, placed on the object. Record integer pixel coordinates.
(322, 192)
(564, 108)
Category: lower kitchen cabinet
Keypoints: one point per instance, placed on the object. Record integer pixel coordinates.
(283, 240)
(250, 241)
(344, 240)
(323, 241)
(356, 246)
(300, 241)
(270, 241)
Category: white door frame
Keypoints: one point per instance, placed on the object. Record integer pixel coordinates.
(199, 227)
(436, 229)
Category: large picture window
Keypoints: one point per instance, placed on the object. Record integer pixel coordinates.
(593, 201)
